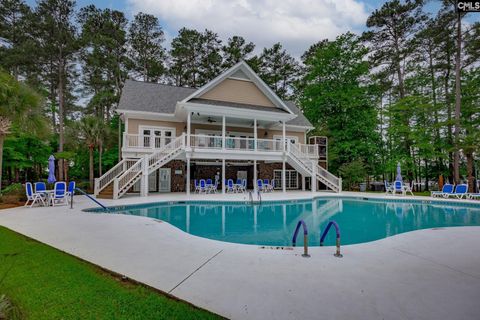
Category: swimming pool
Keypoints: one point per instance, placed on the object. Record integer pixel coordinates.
(273, 223)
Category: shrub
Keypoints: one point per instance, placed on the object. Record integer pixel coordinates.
(13, 193)
(352, 173)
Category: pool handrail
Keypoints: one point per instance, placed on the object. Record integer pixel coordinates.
(305, 237)
(337, 231)
(88, 196)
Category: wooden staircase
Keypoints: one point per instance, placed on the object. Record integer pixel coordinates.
(107, 192)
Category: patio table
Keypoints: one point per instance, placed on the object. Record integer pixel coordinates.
(48, 195)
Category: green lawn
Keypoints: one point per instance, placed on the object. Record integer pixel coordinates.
(44, 283)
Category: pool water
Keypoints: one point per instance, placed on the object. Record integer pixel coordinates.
(273, 223)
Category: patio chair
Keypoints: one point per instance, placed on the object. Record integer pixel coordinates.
(473, 196)
(260, 185)
(196, 186)
(70, 190)
(273, 184)
(388, 187)
(461, 191)
(33, 197)
(203, 187)
(40, 187)
(446, 191)
(398, 187)
(244, 185)
(59, 194)
(214, 186)
(230, 186)
(408, 188)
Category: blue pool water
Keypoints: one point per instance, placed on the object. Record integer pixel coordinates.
(273, 223)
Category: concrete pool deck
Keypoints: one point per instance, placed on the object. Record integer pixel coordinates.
(425, 274)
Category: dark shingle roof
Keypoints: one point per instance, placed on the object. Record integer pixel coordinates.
(156, 97)
(152, 97)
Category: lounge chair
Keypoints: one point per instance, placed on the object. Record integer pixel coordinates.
(244, 185)
(59, 195)
(473, 196)
(33, 197)
(196, 186)
(408, 188)
(446, 191)
(461, 191)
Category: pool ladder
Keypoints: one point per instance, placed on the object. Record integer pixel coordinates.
(305, 254)
(250, 197)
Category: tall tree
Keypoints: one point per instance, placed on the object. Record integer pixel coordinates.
(15, 22)
(335, 99)
(279, 70)
(90, 130)
(210, 57)
(58, 45)
(235, 50)
(146, 52)
(185, 58)
(20, 108)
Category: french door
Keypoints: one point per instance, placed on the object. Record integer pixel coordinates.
(155, 137)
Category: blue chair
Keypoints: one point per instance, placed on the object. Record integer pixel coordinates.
(40, 187)
(461, 191)
(202, 186)
(398, 187)
(209, 182)
(260, 184)
(33, 197)
(388, 187)
(71, 188)
(447, 190)
(59, 193)
(230, 186)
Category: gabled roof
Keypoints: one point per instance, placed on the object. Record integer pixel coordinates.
(160, 98)
(243, 70)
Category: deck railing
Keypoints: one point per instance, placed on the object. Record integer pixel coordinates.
(137, 141)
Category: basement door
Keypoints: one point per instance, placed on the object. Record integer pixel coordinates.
(164, 184)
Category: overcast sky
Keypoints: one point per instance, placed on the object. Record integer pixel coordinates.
(295, 23)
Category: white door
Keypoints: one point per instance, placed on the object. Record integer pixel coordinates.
(156, 137)
(164, 179)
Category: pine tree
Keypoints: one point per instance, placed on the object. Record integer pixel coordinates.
(235, 50)
(146, 52)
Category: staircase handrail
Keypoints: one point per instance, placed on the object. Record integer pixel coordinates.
(125, 178)
(110, 175)
(175, 144)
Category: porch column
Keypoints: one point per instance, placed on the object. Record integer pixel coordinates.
(284, 176)
(144, 179)
(224, 129)
(255, 134)
(255, 176)
(223, 176)
(188, 176)
(283, 135)
(303, 182)
(189, 129)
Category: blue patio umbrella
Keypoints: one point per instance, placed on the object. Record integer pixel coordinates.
(51, 169)
(399, 173)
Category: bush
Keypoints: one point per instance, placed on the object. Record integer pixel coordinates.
(8, 310)
(352, 174)
(13, 193)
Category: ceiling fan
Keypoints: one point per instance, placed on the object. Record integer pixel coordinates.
(210, 120)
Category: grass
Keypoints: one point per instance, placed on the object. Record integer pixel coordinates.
(44, 283)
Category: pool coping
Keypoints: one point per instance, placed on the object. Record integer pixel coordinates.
(240, 281)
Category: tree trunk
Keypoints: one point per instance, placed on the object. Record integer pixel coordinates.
(60, 115)
(456, 153)
(426, 175)
(90, 165)
(100, 151)
(470, 176)
(2, 138)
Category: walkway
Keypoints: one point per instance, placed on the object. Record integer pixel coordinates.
(427, 274)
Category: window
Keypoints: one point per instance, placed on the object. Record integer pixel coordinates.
(156, 137)
(291, 179)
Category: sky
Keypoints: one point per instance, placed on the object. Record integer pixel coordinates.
(296, 24)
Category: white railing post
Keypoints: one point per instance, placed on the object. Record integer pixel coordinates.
(115, 189)
(339, 184)
(314, 177)
(96, 187)
(144, 178)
